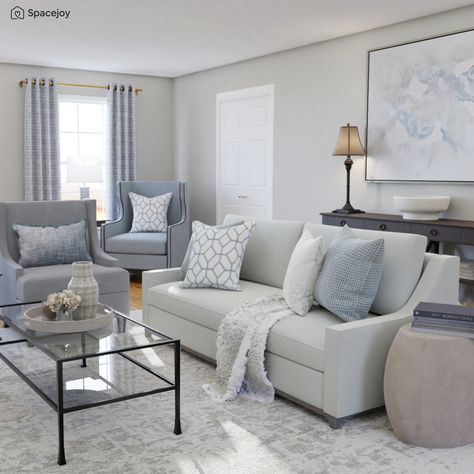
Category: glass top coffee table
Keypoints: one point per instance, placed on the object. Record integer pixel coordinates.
(73, 372)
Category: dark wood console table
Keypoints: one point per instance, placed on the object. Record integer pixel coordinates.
(444, 230)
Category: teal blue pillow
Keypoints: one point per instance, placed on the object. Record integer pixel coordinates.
(350, 275)
(44, 246)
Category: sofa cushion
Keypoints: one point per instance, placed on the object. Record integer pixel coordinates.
(37, 282)
(269, 250)
(300, 339)
(204, 306)
(403, 263)
(142, 243)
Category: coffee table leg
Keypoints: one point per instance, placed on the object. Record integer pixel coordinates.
(83, 344)
(177, 382)
(59, 376)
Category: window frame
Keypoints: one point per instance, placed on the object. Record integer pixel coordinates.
(85, 99)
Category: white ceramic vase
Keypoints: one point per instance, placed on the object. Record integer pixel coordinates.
(85, 285)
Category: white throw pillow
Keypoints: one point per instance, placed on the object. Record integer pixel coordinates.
(150, 214)
(302, 273)
(216, 256)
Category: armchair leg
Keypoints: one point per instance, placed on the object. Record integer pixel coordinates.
(334, 423)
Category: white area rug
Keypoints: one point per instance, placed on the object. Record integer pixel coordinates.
(237, 437)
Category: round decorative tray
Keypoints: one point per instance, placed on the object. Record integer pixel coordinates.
(37, 321)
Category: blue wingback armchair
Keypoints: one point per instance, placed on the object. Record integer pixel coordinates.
(20, 285)
(149, 250)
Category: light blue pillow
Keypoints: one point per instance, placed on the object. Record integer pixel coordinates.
(43, 246)
(350, 275)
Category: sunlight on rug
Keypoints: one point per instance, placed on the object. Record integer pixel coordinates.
(136, 436)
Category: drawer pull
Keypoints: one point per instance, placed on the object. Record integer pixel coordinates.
(434, 232)
(343, 222)
(382, 227)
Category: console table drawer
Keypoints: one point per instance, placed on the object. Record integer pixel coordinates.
(467, 236)
(342, 221)
(389, 226)
(435, 233)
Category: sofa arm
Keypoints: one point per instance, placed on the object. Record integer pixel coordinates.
(355, 352)
(151, 278)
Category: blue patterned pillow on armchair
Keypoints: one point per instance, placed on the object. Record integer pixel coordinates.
(44, 246)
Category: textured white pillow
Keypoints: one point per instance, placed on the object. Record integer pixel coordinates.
(216, 256)
(303, 270)
(150, 214)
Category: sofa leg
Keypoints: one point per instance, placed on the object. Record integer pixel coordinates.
(334, 423)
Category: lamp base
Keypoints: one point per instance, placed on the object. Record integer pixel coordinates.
(348, 211)
(84, 192)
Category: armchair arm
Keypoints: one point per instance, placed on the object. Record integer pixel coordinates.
(180, 232)
(10, 271)
(178, 240)
(153, 278)
(355, 352)
(101, 258)
(110, 229)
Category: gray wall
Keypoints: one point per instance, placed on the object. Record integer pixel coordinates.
(318, 88)
(154, 121)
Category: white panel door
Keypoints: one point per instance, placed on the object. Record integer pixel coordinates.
(245, 152)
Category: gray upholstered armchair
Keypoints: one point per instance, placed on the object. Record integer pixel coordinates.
(18, 284)
(149, 250)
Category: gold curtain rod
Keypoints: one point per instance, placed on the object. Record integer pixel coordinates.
(24, 82)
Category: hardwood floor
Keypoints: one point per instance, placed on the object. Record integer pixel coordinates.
(135, 291)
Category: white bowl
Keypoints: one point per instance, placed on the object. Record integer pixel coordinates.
(422, 208)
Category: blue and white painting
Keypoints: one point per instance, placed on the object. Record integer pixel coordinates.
(420, 122)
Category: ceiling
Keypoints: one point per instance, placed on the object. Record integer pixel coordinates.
(176, 37)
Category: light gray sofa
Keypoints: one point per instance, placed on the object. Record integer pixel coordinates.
(330, 366)
(146, 250)
(20, 285)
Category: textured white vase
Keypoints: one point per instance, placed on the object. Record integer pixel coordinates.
(85, 285)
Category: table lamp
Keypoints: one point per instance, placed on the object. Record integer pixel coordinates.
(84, 170)
(348, 144)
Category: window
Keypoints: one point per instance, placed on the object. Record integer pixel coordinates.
(82, 135)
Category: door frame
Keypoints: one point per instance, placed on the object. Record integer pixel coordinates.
(248, 93)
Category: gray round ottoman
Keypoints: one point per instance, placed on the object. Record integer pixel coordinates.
(429, 389)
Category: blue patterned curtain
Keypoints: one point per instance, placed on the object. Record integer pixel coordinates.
(41, 141)
(121, 162)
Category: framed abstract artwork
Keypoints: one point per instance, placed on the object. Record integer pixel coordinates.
(420, 111)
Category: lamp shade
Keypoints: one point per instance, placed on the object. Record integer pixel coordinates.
(84, 169)
(348, 142)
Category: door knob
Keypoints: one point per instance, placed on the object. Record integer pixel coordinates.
(242, 196)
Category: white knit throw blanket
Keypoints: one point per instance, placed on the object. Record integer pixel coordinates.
(241, 343)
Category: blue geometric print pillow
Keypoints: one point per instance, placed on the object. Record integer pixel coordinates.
(350, 275)
(43, 246)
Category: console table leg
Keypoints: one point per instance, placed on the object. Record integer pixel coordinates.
(60, 387)
(177, 382)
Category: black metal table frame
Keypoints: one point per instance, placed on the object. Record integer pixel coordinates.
(59, 406)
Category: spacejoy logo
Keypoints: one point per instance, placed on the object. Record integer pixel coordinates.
(18, 13)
